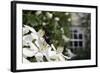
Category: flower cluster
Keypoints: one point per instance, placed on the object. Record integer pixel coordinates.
(34, 45)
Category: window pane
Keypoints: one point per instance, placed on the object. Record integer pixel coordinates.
(75, 36)
(75, 44)
(80, 43)
(80, 36)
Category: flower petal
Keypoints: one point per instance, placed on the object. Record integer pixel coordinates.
(27, 52)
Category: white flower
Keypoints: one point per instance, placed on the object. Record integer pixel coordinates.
(41, 33)
(66, 13)
(25, 30)
(43, 23)
(57, 18)
(27, 52)
(52, 46)
(38, 12)
(51, 54)
(40, 47)
(49, 15)
(44, 18)
(66, 57)
(60, 49)
(69, 19)
(60, 57)
(43, 44)
(31, 29)
(70, 53)
(66, 39)
(25, 60)
(25, 42)
(62, 30)
(37, 43)
(33, 47)
(29, 38)
(39, 57)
